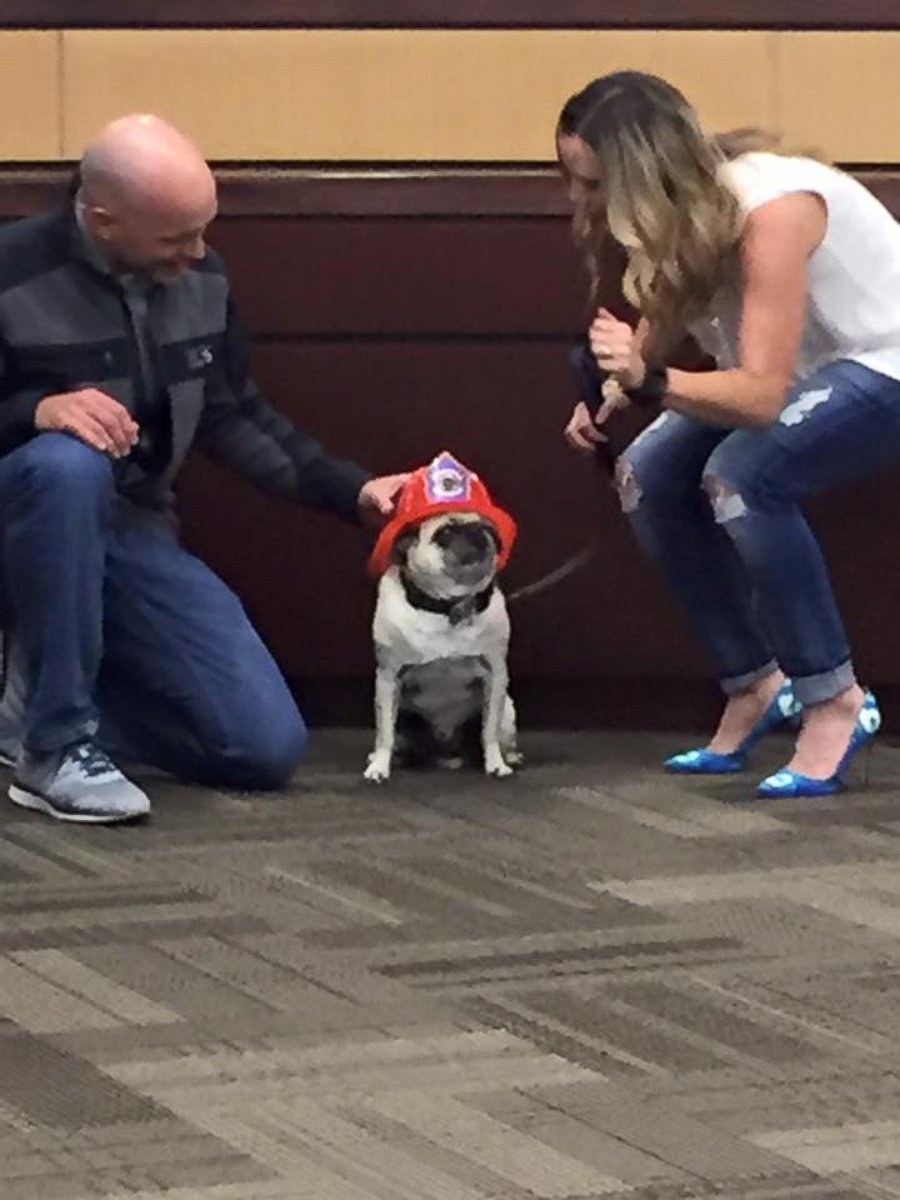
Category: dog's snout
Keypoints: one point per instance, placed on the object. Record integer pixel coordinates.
(469, 542)
(475, 535)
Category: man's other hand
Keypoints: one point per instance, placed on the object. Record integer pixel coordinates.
(91, 415)
(378, 498)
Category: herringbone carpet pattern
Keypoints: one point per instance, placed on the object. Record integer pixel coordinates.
(593, 981)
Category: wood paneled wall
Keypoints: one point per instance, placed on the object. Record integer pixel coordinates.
(439, 318)
(459, 95)
(397, 314)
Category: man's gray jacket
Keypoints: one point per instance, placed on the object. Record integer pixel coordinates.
(64, 325)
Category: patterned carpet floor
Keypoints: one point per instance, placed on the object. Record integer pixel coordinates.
(590, 981)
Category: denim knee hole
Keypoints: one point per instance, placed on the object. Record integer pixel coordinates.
(627, 486)
(727, 504)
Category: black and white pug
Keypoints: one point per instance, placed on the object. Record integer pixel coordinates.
(441, 632)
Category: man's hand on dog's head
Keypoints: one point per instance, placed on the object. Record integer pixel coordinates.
(378, 498)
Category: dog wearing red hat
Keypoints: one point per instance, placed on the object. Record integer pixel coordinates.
(441, 626)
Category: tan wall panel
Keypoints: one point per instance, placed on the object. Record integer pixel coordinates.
(344, 94)
(839, 92)
(29, 95)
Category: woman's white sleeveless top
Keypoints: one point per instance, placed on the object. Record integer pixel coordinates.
(853, 304)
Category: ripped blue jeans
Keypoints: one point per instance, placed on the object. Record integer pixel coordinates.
(719, 511)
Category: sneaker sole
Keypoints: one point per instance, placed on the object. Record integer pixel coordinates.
(6, 760)
(37, 803)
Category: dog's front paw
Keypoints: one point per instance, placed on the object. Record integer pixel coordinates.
(379, 768)
(494, 764)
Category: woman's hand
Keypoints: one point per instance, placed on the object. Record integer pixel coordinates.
(617, 349)
(581, 433)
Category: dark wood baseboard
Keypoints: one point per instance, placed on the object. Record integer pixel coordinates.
(689, 706)
(449, 14)
(684, 706)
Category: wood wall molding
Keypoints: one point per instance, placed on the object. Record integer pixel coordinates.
(409, 95)
(30, 73)
(473, 14)
(255, 191)
(319, 95)
(854, 116)
(464, 95)
(261, 191)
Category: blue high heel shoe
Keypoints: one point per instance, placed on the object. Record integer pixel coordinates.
(791, 783)
(785, 707)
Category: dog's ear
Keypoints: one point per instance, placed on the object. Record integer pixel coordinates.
(402, 543)
(491, 530)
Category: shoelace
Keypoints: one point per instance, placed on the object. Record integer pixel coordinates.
(91, 759)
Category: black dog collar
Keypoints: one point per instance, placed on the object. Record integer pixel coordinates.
(459, 610)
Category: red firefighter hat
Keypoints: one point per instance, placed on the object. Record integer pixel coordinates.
(444, 486)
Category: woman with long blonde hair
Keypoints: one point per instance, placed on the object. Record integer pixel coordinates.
(787, 272)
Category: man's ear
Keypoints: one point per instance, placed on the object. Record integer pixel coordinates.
(99, 220)
(402, 543)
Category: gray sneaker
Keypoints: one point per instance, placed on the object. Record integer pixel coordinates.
(82, 784)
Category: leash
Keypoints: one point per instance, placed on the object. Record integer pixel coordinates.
(569, 567)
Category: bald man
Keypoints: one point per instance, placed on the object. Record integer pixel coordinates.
(119, 351)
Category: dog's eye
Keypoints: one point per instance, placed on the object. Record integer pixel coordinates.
(401, 547)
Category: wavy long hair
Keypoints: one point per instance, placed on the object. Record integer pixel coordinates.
(665, 203)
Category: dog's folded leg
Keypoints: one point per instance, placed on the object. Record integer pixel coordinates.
(495, 693)
(386, 705)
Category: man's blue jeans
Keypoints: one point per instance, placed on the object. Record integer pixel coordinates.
(719, 511)
(119, 630)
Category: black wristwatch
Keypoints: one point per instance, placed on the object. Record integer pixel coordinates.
(653, 388)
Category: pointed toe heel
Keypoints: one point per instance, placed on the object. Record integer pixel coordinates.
(785, 708)
(705, 762)
(791, 783)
